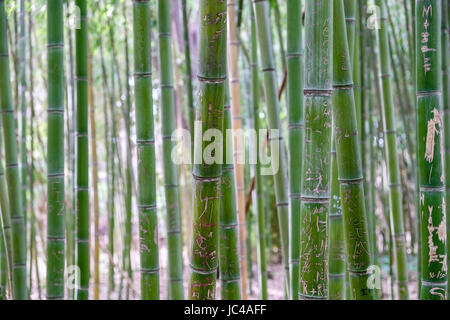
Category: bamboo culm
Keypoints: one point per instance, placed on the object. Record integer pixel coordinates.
(126, 252)
(239, 148)
(260, 212)
(146, 184)
(294, 56)
(395, 188)
(207, 172)
(446, 107)
(228, 221)
(23, 111)
(430, 151)
(170, 170)
(94, 173)
(19, 252)
(273, 117)
(82, 179)
(349, 162)
(6, 236)
(187, 53)
(315, 188)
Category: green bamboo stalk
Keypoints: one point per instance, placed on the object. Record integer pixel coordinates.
(207, 175)
(350, 7)
(71, 120)
(82, 181)
(109, 154)
(261, 228)
(112, 171)
(126, 255)
(349, 162)
(338, 280)
(336, 245)
(170, 170)
(23, 110)
(277, 17)
(395, 187)
(350, 24)
(357, 78)
(239, 149)
(146, 197)
(408, 17)
(31, 171)
(55, 158)
(387, 216)
(361, 54)
(273, 114)
(94, 173)
(3, 266)
(446, 108)
(187, 56)
(19, 253)
(372, 155)
(419, 227)
(315, 189)
(430, 153)
(6, 236)
(228, 223)
(249, 224)
(405, 95)
(295, 107)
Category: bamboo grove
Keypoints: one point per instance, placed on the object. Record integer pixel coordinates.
(224, 149)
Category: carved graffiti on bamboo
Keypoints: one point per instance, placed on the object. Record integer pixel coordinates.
(204, 222)
(427, 12)
(219, 20)
(314, 253)
(145, 226)
(433, 246)
(434, 128)
(440, 292)
(197, 286)
(358, 235)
